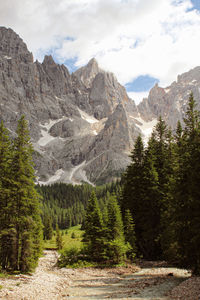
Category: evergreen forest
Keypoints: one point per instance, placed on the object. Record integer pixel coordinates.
(153, 212)
(161, 190)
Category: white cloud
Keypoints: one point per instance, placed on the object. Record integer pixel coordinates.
(166, 35)
(137, 97)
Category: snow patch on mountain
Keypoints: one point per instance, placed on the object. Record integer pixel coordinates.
(49, 124)
(146, 127)
(88, 118)
(7, 57)
(167, 90)
(76, 175)
(45, 139)
(56, 177)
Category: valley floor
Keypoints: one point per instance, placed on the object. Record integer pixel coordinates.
(146, 283)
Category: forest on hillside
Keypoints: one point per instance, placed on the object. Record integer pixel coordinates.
(65, 204)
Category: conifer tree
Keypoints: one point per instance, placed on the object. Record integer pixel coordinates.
(147, 189)
(133, 185)
(59, 241)
(164, 164)
(25, 202)
(187, 194)
(147, 218)
(7, 230)
(94, 237)
(129, 234)
(48, 228)
(116, 247)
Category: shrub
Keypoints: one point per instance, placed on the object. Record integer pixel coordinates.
(70, 256)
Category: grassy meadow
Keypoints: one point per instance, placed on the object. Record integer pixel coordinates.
(71, 238)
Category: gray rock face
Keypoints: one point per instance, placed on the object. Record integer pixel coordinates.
(78, 122)
(87, 75)
(83, 125)
(171, 102)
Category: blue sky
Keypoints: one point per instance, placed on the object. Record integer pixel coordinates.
(142, 83)
(142, 42)
(196, 4)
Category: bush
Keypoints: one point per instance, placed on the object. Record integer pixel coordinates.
(73, 236)
(70, 256)
(116, 251)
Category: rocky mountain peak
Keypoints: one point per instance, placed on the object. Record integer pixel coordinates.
(93, 64)
(48, 60)
(13, 47)
(171, 102)
(189, 77)
(83, 125)
(87, 73)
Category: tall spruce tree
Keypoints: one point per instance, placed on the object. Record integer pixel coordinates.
(129, 234)
(94, 237)
(48, 228)
(5, 176)
(25, 203)
(133, 186)
(59, 241)
(141, 195)
(7, 230)
(164, 163)
(186, 197)
(148, 228)
(116, 247)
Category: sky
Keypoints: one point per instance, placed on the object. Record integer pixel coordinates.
(142, 42)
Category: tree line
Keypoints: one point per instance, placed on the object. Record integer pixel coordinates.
(65, 204)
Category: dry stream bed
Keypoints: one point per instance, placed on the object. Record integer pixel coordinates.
(146, 283)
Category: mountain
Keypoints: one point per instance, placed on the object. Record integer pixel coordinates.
(171, 102)
(82, 125)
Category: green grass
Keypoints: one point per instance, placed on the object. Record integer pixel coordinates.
(4, 275)
(68, 241)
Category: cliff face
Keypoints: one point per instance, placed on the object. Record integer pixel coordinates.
(171, 102)
(83, 125)
(78, 123)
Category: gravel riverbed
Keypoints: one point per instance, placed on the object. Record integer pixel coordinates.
(145, 283)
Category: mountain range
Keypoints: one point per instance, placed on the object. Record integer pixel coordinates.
(82, 125)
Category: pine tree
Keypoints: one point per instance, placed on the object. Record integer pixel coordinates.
(116, 247)
(48, 228)
(7, 230)
(141, 196)
(147, 218)
(94, 237)
(129, 233)
(25, 202)
(133, 185)
(59, 241)
(186, 197)
(164, 164)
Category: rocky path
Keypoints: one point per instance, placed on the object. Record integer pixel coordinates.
(49, 282)
(145, 284)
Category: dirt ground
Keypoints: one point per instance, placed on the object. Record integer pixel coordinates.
(141, 283)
